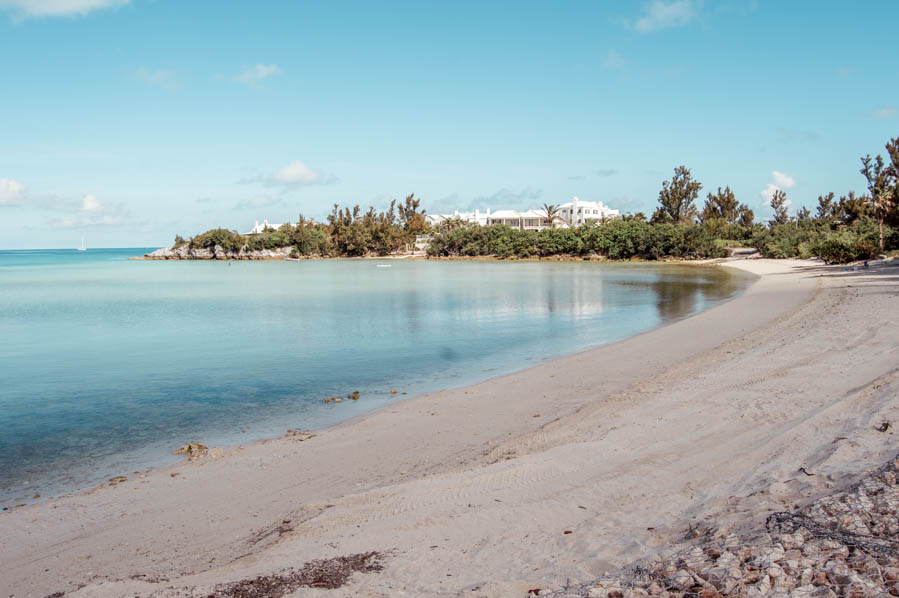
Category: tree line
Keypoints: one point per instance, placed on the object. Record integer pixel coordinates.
(851, 227)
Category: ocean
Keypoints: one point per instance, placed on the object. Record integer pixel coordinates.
(108, 365)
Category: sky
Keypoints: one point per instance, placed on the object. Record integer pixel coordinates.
(130, 121)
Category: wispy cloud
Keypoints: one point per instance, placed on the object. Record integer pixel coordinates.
(844, 72)
(88, 213)
(56, 8)
(506, 198)
(797, 136)
(613, 61)
(261, 201)
(884, 112)
(292, 176)
(164, 78)
(659, 14)
(255, 75)
(605, 172)
(779, 182)
(12, 192)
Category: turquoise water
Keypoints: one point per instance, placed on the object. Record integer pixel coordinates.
(107, 365)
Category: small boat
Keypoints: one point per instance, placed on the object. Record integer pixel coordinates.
(82, 248)
(292, 259)
(383, 265)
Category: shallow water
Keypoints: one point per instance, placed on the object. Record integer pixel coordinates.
(107, 365)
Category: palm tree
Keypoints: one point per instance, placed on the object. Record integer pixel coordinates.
(552, 212)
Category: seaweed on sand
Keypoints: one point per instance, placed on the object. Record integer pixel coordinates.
(326, 573)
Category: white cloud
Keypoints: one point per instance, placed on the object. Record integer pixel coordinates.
(783, 181)
(658, 15)
(884, 112)
(779, 182)
(12, 193)
(613, 60)
(164, 78)
(91, 214)
(255, 75)
(89, 203)
(57, 8)
(85, 221)
(295, 174)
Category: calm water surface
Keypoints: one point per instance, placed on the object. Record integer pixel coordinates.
(107, 365)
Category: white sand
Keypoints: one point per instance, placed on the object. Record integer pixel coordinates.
(709, 418)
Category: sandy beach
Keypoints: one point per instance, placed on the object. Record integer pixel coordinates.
(564, 471)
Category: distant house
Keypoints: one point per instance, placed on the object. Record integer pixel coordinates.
(260, 228)
(476, 217)
(527, 220)
(577, 212)
(572, 214)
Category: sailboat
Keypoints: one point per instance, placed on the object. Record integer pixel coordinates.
(82, 248)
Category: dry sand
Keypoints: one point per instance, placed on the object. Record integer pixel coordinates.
(469, 493)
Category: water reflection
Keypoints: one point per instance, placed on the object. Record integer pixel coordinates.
(109, 365)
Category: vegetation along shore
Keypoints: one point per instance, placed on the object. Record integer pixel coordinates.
(842, 229)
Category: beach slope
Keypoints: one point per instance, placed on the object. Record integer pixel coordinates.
(564, 471)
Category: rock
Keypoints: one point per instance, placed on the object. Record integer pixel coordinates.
(682, 579)
(193, 450)
(118, 480)
(298, 435)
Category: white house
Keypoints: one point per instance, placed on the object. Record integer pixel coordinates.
(571, 214)
(577, 212)
(260, 228)
(527, 220)
(476, 217)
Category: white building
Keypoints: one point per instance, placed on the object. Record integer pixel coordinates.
(577, 212)
(527, 220)
(260, 228)
(476, 217)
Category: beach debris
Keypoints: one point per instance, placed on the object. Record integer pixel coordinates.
(353, 395)
(174, 474)
(884, 426)
(193, 450)
(298, 435)
(567, 531)
(327, 574)
(805, 471)
(536, 415)
(118, 479)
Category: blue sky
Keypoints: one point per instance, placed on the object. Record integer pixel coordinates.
(131, 121)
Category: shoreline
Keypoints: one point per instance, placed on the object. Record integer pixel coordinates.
(395, 451)
(148, 466)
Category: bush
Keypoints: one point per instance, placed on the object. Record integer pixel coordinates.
(218, 236)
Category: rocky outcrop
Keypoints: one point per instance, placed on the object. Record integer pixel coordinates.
(186, 252)
(845, 545)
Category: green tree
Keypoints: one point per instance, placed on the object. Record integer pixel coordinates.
(878, 178)
(677, 198)
(780, 206)
(827, 208)
(412, 218)
(552, 212)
